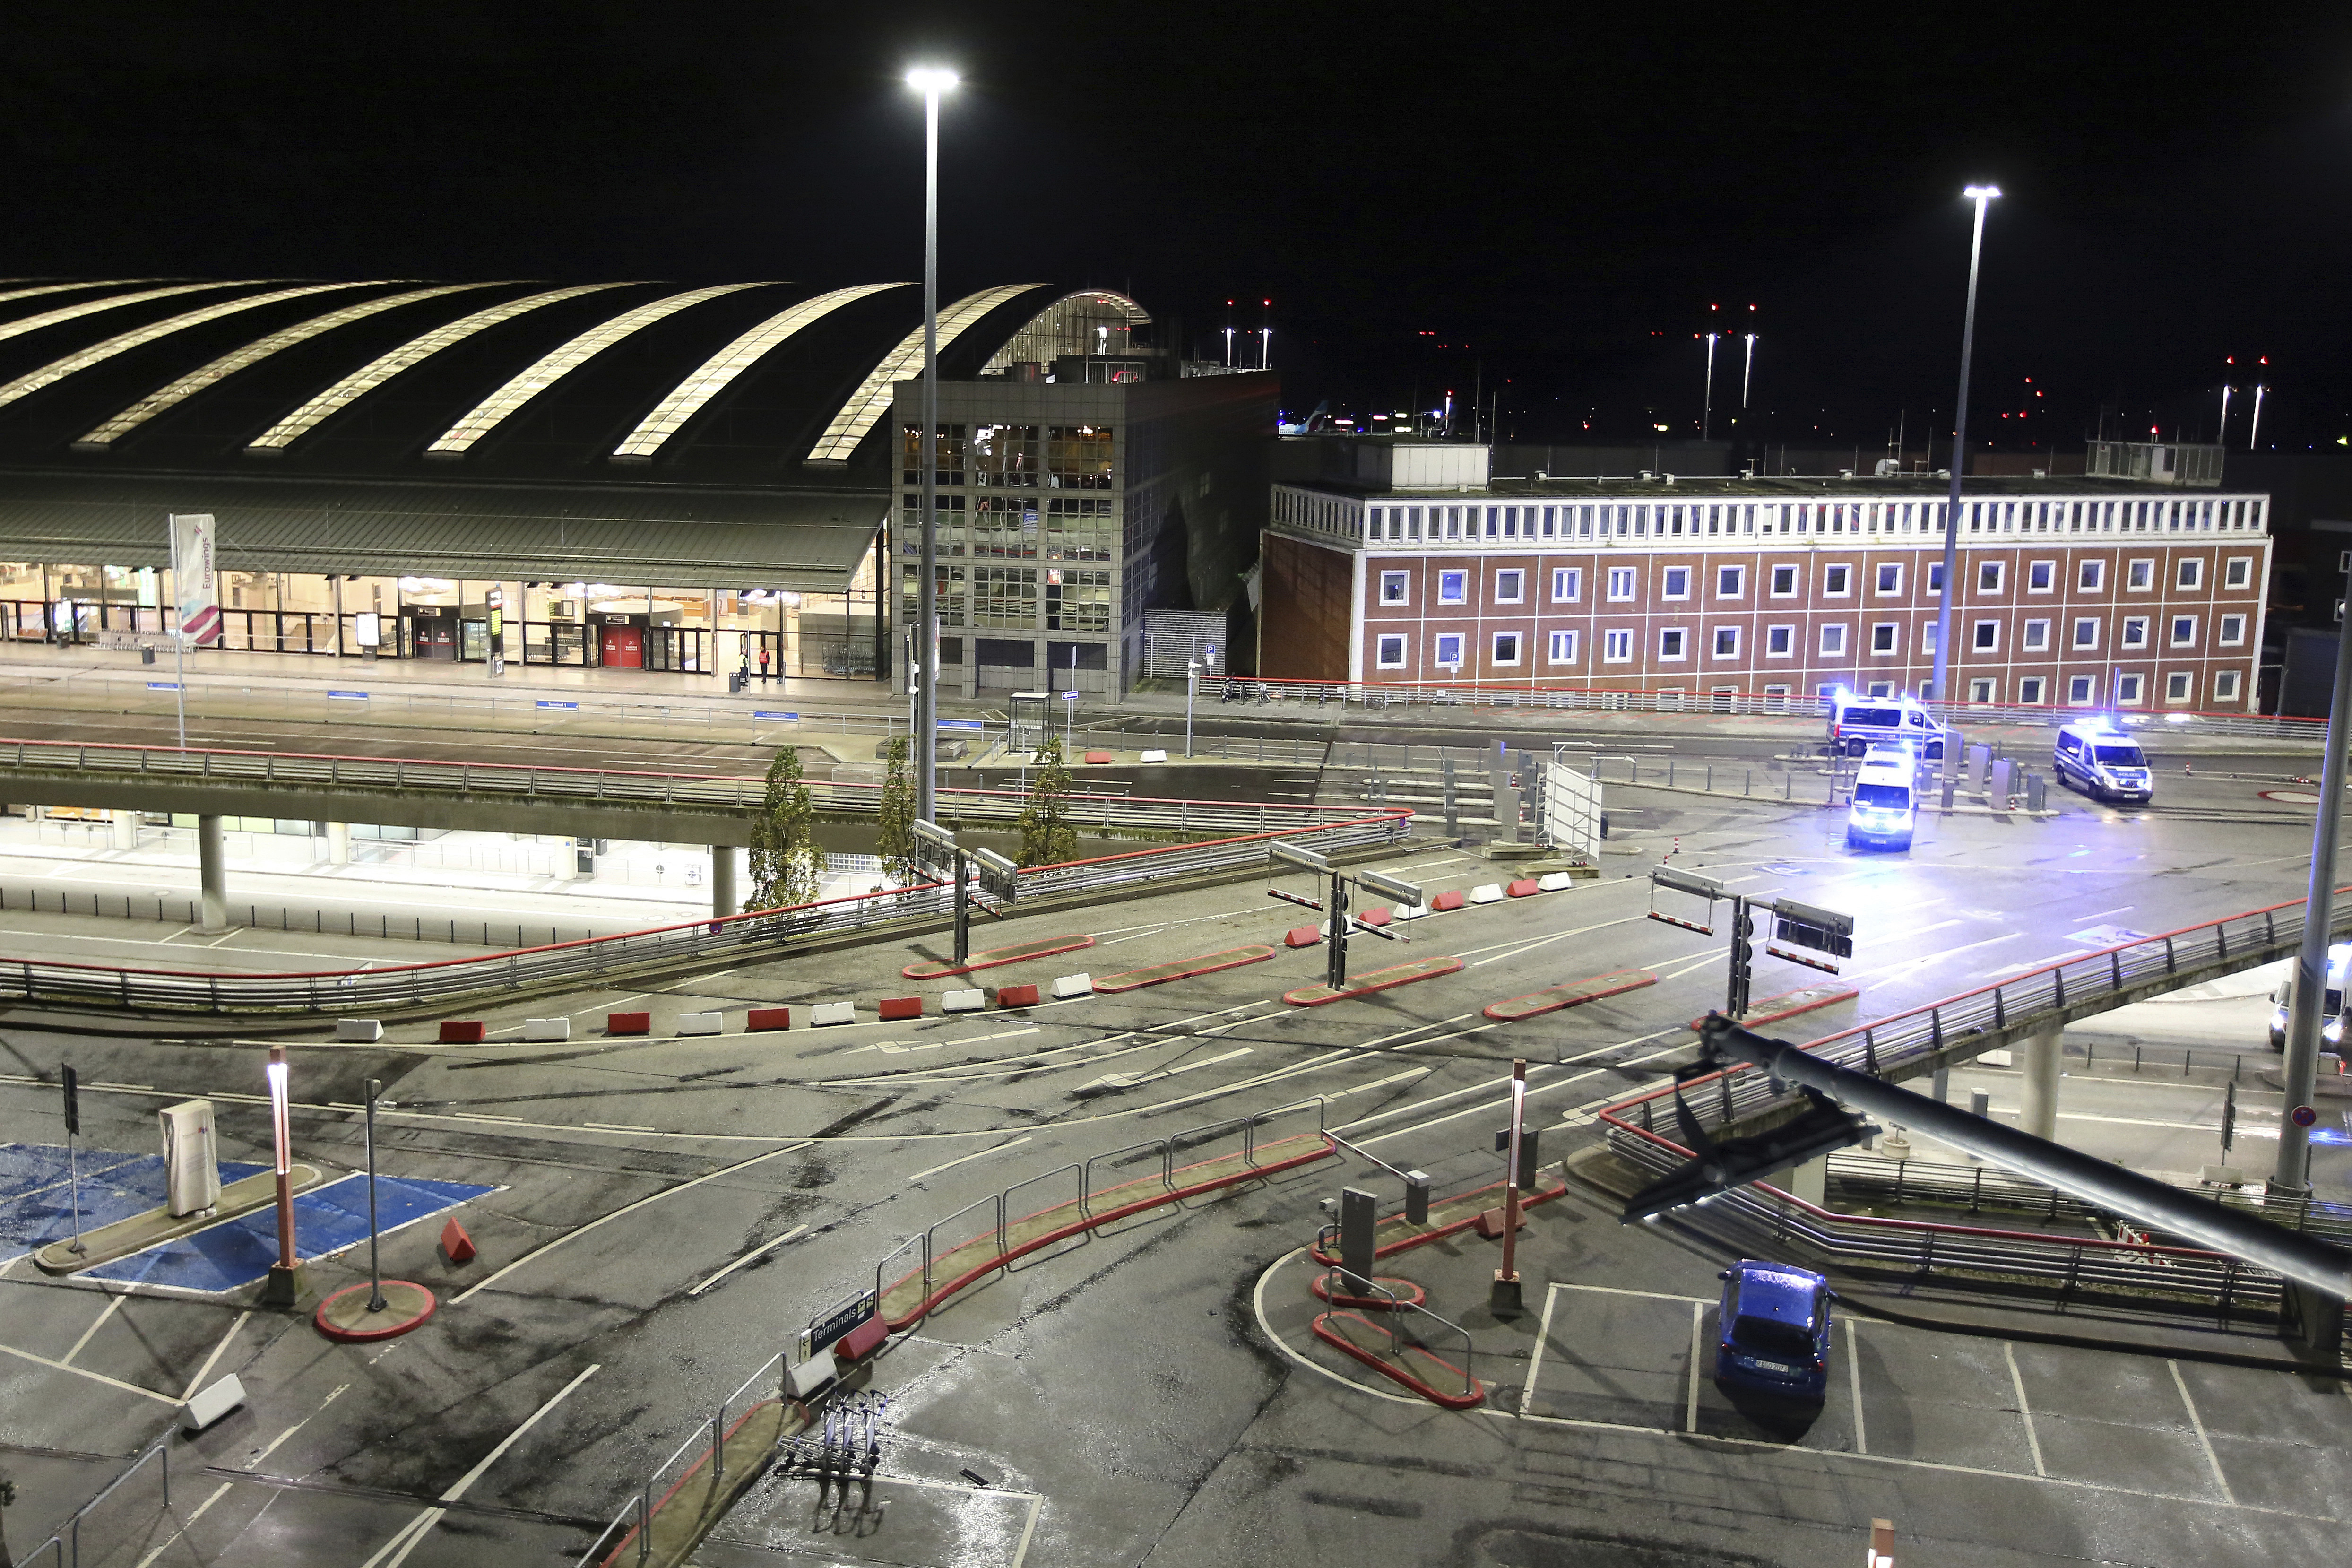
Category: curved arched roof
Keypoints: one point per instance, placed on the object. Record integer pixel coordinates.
(413, 400)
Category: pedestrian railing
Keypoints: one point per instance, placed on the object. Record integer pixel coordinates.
(738, 938)
(699, 1465)
(1336, 1285)
(67, 1541)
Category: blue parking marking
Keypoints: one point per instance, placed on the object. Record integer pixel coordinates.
(37, 1208)
(327, 1220)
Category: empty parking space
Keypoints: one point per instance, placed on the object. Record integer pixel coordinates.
(2278, 1441)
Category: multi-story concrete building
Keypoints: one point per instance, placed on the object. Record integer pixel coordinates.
(2071, 592)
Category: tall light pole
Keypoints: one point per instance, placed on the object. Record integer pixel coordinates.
(1707, 398)
(931, 82)
(1747, 371)
(2306, 1007)
(2255, 433)
(1229, 334)
(1983, 196)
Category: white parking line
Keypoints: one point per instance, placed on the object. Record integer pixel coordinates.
(2202, 1441)
(2024, 1408)
(93, 1376)
(112, 1307)
(1534, 1362)
(975, 1154)
(393, 1553)
(1690, 1415)
(271, 1446)
(757, 1252)
(206, 1371)
(1853, 1373)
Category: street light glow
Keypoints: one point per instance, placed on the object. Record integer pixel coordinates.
(936, 78)
(1981, 193)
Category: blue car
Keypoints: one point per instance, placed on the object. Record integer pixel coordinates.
(1773, 1331)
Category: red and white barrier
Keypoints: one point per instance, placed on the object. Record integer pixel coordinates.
(545, 1029)
(702, 1023)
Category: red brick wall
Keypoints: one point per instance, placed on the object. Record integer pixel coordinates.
(1306, 601)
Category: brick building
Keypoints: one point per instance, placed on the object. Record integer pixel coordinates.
(2075, 592)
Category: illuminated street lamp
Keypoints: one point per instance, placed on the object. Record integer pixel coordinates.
(1982, 195)
(931, 81)
(285, 1284)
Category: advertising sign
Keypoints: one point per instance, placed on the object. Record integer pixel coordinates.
(195, 584)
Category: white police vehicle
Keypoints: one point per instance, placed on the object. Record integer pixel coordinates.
(2331, 1029)
(2102, 761)
(1858, 724)
(1884, 805)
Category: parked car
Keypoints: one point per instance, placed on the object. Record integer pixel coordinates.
(1772, 1332)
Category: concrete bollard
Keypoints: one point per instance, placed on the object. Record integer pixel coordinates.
(896, 1009)
(537, 1029)
(824, 1015)
(972, 1001)
(762, 1019)
(702, 1023)
(1068, 985)
(365, 1031)
(1486, 893)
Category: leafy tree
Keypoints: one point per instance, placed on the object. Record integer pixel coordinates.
(787, 866)
(1048, 838)
(894, 839)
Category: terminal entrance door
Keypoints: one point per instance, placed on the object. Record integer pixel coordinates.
(623, 648)
(430, 637)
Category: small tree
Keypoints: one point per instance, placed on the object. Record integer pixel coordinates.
(894, 839)
(8, 1501)
(787, 866)
(1048, 838)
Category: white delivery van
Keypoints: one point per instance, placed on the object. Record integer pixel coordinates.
(1858, 724)
(2102, 762)
(2331, 1024)
(1884, 808)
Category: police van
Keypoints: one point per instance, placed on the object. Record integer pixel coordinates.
(2331, 1017)
(2102, 762)
(1858, 724)
(1884, 808)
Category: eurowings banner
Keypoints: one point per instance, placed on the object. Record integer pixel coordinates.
(194, 582)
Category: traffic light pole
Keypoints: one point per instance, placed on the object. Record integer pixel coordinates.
(963, 910)
(1335, 967)
(1743, 960)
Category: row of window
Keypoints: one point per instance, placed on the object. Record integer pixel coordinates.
(1609, 520)
(1077, 456)
(1885, 638)
(1072, 601)
(1785, 583)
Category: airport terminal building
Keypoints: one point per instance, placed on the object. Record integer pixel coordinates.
(629, 475)
(1420, 567)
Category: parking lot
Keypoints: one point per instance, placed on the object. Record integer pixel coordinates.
(2188, 1431)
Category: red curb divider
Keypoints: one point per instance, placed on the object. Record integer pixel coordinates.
(762, 1018)
(1437, 1233)
(1489, 1223)
(461, 1032)
(456, 1242)
(894, 1008)
(1301, 936)
(1379, 915)
(862, 1340)
(1452, 899)
(1160, 1198)
(628, 1023)
(1449, 1401)
(1097, 757)
(364, 1336)
(1016, 996)
(1570, 994)
(1410, 1295)
(1388, 979)
(995, 957)
(1525, 888)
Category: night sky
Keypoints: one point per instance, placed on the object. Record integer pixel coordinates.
(1548, 196)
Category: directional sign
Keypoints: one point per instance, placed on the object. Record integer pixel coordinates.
(934, 847)
(963, 724)
(73, 1100)
(1823, 931)
(1069, 697)
(999, 878)
(544, 702)
(352, 695)
(787, 718)
(163, 686)
(1295, 856)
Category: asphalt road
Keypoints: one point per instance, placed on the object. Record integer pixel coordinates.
(1123, 1388)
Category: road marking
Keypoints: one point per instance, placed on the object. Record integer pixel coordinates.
(219, 1492)
(538, 1252)
(615, 1127)
(975, 1154)
(255, 1462)
(93, 1376)
(1854, 1374)
(2023, 1408)
(757, 1252)
(112, 1307)
(417, 1528)
(2203, 1441)
(1534, 1362)
(1690, 1415)
(206, 1371)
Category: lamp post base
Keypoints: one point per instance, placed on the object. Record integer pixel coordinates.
(286, 1285)
(1503, 1299)
(344, 1316)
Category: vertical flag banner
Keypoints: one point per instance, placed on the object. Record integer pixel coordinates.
(193, 580)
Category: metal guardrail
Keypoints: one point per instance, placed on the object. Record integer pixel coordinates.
(70, 1531)
(736, 938)
(1335, 1277)
(1378, 694)
(377, 775)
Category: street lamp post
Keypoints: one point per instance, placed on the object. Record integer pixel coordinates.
(1982, 195)
(285, 1284)
(1707, 399)
(931, 82)
(1191, 685)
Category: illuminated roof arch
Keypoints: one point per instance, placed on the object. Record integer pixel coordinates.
(1090, 322)
(384, 366)
(74, 312)
(714, 374)
(562, 360)
(227, 364)
(872, 399)
(123, 343)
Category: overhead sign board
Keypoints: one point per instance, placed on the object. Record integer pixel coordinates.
(999, 878)
(934, 847)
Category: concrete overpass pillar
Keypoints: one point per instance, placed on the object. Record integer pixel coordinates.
(1809, 1181)
(2039, 1114)
(212, 874)
(723, 900)
(339, 843)
(126, 829)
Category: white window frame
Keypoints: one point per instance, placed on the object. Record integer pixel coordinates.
(2128, 689)
(1511, 585)
(2049, 567)
(1785, 637)
(2036, 637)
(1458, 580)
(1796, 581)
(2234, 632)
(1381, 643)
(1666, 575)
(1518, 641)
(1998, 572)
(2172, 631)
(1978, 643)
(1677, 639)
(2238, 572)
(2144, 567)
(2092, 577)
(1718, 650)
(1837, 580)
(1402, 582)
(1630, 579)
(2225, 685)
(1617, 646)
(1983, 688)
(1437, 649)
(2090, 643)
(2082, 691)
(2135, 632)
(1886, 636)
(1884, 589)
(1561, 648)
(2179, 687)
(1832, 639)
(1567, 584)
(1738, 577)
(2188, 574)
(2028, 690)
